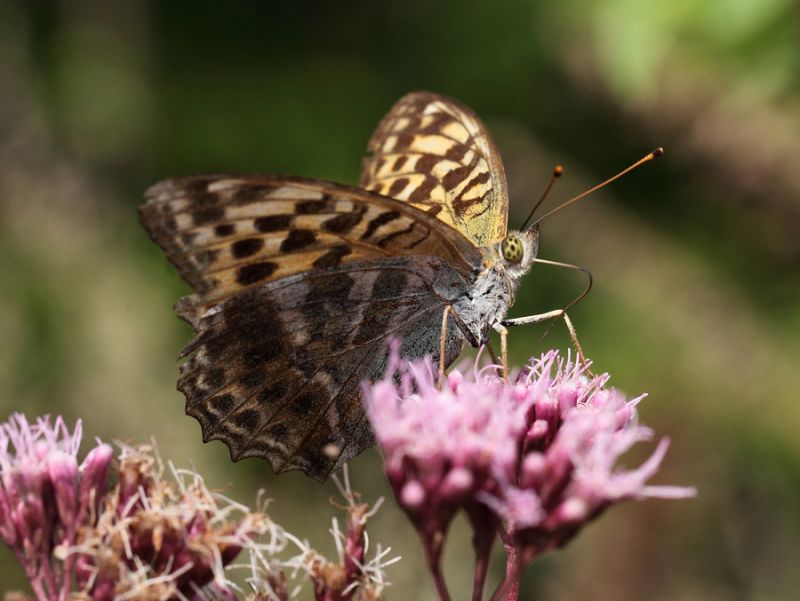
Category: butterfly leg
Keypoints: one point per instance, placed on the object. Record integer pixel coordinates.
(574, 336)
(503, 331)
(562, 313)
(495, 359)
(555, 314)
(443, 343)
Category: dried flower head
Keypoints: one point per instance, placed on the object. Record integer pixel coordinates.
(351, 576)
(162, 538)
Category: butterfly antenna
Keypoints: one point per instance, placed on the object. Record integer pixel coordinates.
(557, 172)
(646, 159)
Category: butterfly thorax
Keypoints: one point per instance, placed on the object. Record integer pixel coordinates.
(492, 291)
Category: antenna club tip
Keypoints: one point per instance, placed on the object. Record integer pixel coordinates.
(657, 152)
(558, 171)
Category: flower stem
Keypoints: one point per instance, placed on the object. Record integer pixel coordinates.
(439, 583)
(433, 554)
(508, 590)
(47, 576)
(479, 576)
(483, 536)
(512, 573)
(68, 565)
(34, 578)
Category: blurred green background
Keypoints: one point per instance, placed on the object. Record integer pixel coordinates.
(695, 257)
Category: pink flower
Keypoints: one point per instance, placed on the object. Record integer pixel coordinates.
(45, 497)
(441, 444)
(533, 459)
(160, 533)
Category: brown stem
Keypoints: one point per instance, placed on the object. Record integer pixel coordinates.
(439, 583)
(433, 554)
(513, 573)
(482, 554)
(482, 540)
(508, 589)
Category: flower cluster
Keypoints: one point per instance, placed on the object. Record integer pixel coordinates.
(46, 498)
(533, 458)
(159, 533)
(160, 538)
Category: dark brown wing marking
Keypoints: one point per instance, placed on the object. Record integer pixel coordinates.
(228, 233)
(275, 371)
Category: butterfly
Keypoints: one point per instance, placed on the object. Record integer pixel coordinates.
(299, 284)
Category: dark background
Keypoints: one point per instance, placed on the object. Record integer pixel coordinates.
(695, 256)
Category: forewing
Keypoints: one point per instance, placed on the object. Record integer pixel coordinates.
(227, 234)
(437, 155)
(275, 371)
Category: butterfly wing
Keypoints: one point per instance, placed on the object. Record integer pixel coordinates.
(436, 154)
(275, 372)
(288, 324)
(227, 233)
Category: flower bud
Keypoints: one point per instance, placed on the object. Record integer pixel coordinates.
(31, 521)
(571, 511)
(412, 496)
(394, 471)
(94, 478)
(63, 471)
(8, 533)
(567, 398)
(456, 484)
(533, 470)
(520, 392)
(537, 432)
(546, 408)
(454, 379)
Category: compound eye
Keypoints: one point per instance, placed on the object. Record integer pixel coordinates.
(512, 249)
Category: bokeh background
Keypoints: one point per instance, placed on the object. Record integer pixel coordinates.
(695, 256)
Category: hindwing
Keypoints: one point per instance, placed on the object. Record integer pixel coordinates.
(275, 371)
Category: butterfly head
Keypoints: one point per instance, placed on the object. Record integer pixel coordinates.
(518, 250)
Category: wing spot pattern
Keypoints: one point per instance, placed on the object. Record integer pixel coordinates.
(298, 239)
(225, 229)
(273, 223)
(255, 272)
(333, 257)
(341, 224)
(246, 247)
(377, 222)
(398, 186)
(310, 206)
